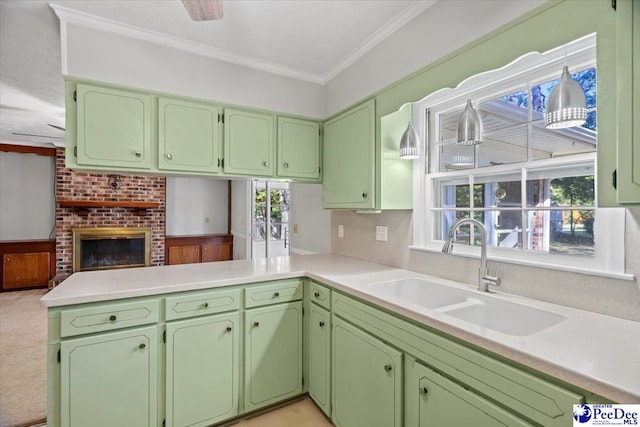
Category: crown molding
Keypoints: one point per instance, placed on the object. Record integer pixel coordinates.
(71, 16)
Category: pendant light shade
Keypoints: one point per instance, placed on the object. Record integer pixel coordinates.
(469, 126)
(567, 106)
(409, 144)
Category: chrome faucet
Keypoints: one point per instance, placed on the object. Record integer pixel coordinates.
(483, 278)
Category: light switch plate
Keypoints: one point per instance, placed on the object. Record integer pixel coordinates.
(381, 233)
(340, 231)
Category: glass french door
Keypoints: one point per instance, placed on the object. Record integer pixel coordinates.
(270, 219)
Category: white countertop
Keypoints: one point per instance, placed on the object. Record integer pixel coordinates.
(595, 352)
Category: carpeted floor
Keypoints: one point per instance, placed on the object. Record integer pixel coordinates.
(23, 371)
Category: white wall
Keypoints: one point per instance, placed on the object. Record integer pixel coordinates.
(196, 205)
(27, 196)
(108, 57)
(240, 218)
(439, 30)
(313, 222)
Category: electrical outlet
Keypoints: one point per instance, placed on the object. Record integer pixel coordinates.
(340, 231)
(381, 233)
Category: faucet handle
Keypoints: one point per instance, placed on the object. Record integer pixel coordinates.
(496, 281)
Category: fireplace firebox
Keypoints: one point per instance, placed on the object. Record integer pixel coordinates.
(105, 248)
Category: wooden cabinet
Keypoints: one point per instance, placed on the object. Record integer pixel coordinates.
(366, 379)
(249, 147)
(188, 136)
(320, 357)
(202, 370)
(110, 379)
(298, 148)
(433, 400)
(195, 249)
(273, 354)
(349, 154)
(113, 127)
(27, 264)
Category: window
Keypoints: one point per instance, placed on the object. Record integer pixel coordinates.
(533, 188)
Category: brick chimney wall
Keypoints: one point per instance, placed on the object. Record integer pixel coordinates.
(71, 185)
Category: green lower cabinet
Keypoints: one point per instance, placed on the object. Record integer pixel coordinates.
(110, 379)
(202, 370)
(366, 379)
(320, 357)
(273, 354)
(432, 400)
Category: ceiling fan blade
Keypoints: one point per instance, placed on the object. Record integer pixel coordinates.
(204, 10)
(37, 136)
(56, 127)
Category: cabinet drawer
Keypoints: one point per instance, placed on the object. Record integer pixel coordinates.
(107, 317)
(199, 303)
(272, 293)
(320, 295)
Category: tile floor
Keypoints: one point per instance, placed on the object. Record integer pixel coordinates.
(303, 413)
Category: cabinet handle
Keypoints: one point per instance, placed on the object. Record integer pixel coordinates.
(276, 295)
(142, 346)
(265, 164)
(205, 305)
(138, 154)
(285, 164)
(228, 328)
(423, 390)
(364, 195)
(256, 324)
(321, 324)
(112, 318)
(316, 294)
(169, 156)
(388, 368)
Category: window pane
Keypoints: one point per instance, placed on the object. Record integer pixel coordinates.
(567, 232)
(553, 190)
(498, 191)
(546, 143)
(443, 220)
(456, 157)
(504, 228)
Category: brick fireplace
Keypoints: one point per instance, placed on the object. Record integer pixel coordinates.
(114, 190)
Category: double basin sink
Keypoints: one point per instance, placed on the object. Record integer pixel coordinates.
(474, 307)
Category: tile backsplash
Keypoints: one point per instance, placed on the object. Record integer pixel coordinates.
(619, 298)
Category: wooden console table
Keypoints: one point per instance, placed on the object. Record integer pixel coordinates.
(199, 248)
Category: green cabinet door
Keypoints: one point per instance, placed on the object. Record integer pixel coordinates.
(248, 143)
(349, 153)
(366, 379)
(320, 357)
(188, 136)
(432, 400)
(110, 379)
(273, 354)
(113, 127)
(298, 148)
(202, 370)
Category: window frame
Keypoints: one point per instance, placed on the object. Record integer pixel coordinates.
(609, 255)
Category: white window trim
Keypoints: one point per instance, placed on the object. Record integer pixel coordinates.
(609, 230)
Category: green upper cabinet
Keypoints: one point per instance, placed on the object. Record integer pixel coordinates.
(298, 148)
(249, 147)
(202, 370)
(366, 379)
(349, 154)
(113, 127)
(273, 354)
(188, 136)
(110, 379)
(320, 357)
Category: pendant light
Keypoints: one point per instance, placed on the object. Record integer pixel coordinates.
(567, 106)
(469, 126)
(409, 144)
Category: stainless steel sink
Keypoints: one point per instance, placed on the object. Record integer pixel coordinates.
(474, 307)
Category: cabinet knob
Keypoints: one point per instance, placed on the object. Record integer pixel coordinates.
(169, 156)
(205, 305)
(138, 154)
(424, 390)
(285, 164)
(364, 195)
(228, 328)
(265, 164)
(276, 294)
(316, 294)
(321, 324)
(112, 318)
(388, 368)
(142, 346)
(8, 259)
(256, 324)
